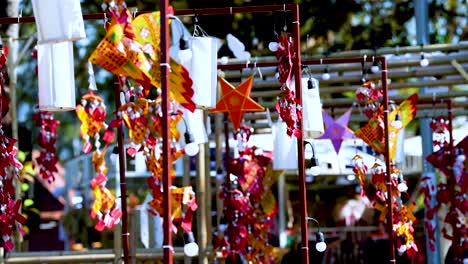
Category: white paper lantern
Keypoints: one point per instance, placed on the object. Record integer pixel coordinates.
(204, 70)
(284, 148)
(311, 108)
(58, 20)
(56, 77)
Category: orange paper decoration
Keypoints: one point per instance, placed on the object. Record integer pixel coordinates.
(236, 101)
(373, 132)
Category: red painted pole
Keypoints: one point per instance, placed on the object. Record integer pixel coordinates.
(166, 178)
(300, 139)
(123, 185)
(388, 163)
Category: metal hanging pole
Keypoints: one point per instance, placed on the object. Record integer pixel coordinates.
(388, 164)
(166, 177)
(123, 184)
(300, 139)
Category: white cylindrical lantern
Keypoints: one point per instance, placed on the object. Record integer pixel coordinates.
(56, 77)
(58, 20)
(284, 148)
(311, 108)
(204, 70)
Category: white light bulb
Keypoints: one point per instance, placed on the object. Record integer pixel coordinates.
(224, 60)
(374, 69)
(315, 170)
(402, 249)
(397, 124)
(402, 187)
(191, 149)
(325, 76)
(185, 56)
(321, 246)
(191, 249)
(273, 46)
(424, 62)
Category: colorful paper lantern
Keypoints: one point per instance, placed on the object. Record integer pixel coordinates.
(58, 20)
(56, 77)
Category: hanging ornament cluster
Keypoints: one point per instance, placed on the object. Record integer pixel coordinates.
(403, 218)
(131, 48)
(288, 107)
(48, 159)
(131, 51)
(439, 126)
(373, 134)
(10, 216)
(452, 194)
(249, 205)
(143, 119)
(369, 93)
(92, 114)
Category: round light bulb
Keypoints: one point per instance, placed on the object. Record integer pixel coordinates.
(185, 55)
(402, 249)
(402, 187)
(397, 124)
(315, 170)
(273, 46)
(321, 246)
(374, 68)
(424, 62)
(191, 149)
(325, 76)
(191, 249)
(224, 60)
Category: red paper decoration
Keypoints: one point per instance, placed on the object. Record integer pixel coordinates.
(249, 205)
(47, 160)
(10, 217)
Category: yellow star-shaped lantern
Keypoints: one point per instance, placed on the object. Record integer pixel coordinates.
(236, 101)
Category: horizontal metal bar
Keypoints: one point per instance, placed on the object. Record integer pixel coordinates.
(181, 12)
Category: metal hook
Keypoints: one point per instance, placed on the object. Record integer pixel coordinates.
(134, 13)
(20, 15)
(105, 19)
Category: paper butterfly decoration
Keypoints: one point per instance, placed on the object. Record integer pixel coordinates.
(373, 132)
(236, 101)
(337, 130)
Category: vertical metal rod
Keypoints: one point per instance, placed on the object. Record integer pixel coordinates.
(167, 181)
(123, 185)
(227, 155)
(300, 140)
(201, 197)
(388, 163)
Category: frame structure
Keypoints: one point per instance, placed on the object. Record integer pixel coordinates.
(294, 9)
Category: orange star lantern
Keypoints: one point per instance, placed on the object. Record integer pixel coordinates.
(236, 101)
